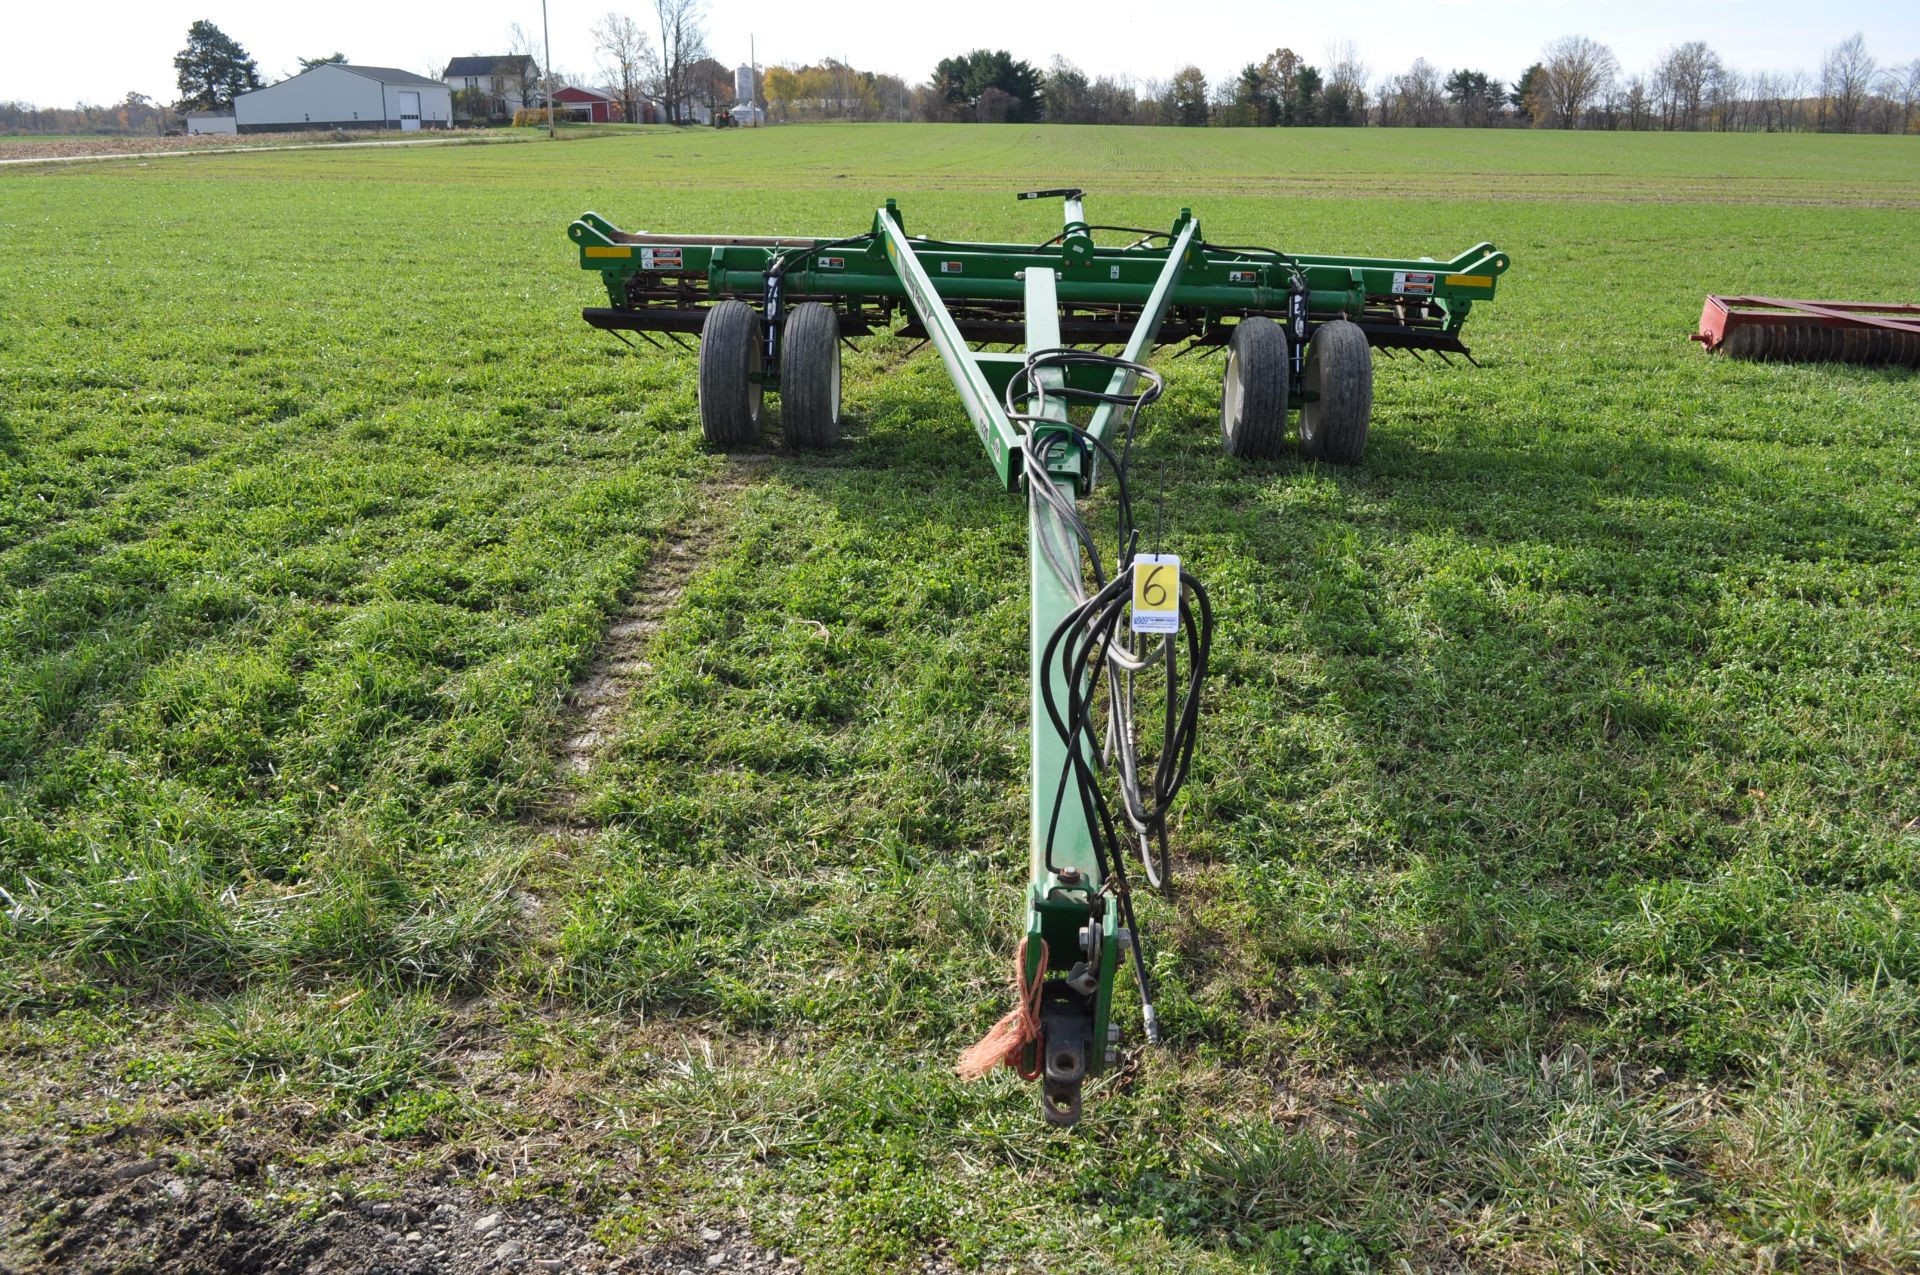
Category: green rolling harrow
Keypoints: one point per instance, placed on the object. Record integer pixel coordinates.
(1110, 630)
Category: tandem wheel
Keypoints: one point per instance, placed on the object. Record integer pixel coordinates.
(1253, 393)
(810, 376)
(730, 391)
(1338, 379)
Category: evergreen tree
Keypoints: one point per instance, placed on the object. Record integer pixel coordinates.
(993, 77)
(1526, 88)
(213, 69)
(1306, 97)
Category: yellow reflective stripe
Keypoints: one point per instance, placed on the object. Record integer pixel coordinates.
(597, 251)
(1453, 280)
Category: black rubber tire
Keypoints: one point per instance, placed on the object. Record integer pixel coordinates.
(1338, 379)
(730, 357)
(810, 376)
(1253, 391)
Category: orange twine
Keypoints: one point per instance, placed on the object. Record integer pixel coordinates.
(1019, 1028)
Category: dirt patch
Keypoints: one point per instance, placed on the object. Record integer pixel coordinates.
(101, 1206)
(69, 147)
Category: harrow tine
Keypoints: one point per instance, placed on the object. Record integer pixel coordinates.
(675, 336)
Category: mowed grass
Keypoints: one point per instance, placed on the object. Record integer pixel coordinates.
(1548, 889)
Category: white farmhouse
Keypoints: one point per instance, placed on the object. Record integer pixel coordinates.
(506, 80)
(337, 95)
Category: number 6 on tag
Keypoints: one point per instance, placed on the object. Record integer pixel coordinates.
(1156, 593)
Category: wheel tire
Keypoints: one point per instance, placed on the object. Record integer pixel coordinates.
(1338, 379)
(729, 359)
(1253, 392)
(810, 376)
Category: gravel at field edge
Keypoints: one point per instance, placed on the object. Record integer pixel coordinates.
(94, 1207)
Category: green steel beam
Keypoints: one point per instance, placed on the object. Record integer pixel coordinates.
(1213, 278)
(1063, 896)
(976, 395)
(1050, 543)
(1146, 329)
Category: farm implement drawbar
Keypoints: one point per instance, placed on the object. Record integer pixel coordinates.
(1112, 625)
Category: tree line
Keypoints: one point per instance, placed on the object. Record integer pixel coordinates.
(1576, 83)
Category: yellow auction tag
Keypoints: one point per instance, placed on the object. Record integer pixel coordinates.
(1156, 593)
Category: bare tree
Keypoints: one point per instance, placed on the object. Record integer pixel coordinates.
(1414, 98)
(1908, 81)
(1576, 72)
(1846, 77)
(683, 41)
(1636, 103)
(1729, 98)
(892, 98)
(519, 71)
(1152, 105)
(626, 56)
(1111, 101)
(1344, 98)
(1686, 76)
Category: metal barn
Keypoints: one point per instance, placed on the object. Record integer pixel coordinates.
(338, 95)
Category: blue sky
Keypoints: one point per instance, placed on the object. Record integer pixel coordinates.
(56, 53)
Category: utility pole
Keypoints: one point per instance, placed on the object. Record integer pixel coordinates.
(546, 38)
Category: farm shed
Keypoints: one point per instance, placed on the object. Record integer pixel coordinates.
(587, 106)
(337, 95)
(210, 122)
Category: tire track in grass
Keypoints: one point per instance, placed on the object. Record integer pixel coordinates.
(598, 700)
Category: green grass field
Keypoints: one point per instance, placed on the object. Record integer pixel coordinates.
(1550, 890)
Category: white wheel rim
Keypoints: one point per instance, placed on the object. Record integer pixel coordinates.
(1230, 397)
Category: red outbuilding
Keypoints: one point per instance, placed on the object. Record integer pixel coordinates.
(588, 106)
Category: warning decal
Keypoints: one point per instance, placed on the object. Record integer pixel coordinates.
(1413, 283)
(660, 258)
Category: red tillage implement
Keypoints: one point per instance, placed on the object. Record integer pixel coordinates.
(1836, 331)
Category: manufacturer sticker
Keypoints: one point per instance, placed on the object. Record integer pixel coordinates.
(660, 258)
(1413, 283)
(1156, 593)
(1113, 272)
(949, 267)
